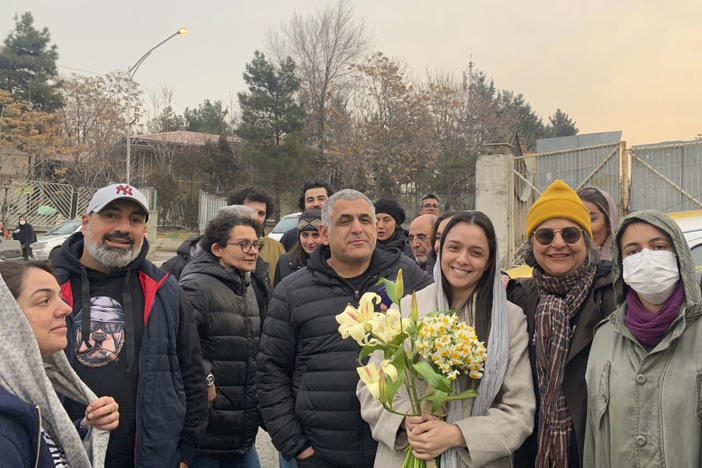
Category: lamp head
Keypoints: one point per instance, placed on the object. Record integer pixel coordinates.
(183, 31)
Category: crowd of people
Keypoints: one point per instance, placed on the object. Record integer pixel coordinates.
(109, 360)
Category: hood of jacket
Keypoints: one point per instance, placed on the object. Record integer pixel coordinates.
(187, 248)
(686, 265)
(204, 263)
(72, 249)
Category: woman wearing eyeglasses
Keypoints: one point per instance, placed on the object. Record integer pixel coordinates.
(565, 298)
(217, 283)
(644, 374)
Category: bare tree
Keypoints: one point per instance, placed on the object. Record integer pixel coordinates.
(93, 118)
(324, 46)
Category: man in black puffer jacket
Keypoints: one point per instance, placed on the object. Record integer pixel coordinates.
(217, 283)
(307, 377)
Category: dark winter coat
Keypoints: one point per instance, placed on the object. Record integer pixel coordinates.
(229, 325)
(598, 305)
(289, 239)
(399, 240)
(287, 265)
(307, 375)
(21, 443)
(171, 393)
(259, 277)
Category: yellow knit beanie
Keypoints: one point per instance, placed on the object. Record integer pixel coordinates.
(558, 201)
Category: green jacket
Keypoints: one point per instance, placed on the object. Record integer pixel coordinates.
(644, 408)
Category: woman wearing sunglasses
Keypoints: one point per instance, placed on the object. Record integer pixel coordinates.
(566, 296)
(476, 432)
(217, 281)
(644, 375)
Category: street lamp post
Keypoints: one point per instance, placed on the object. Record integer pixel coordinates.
(130, 74)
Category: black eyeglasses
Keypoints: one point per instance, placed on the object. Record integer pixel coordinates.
(246, 245)
(571, 235)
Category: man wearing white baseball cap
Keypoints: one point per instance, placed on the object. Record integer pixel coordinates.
(149, 361)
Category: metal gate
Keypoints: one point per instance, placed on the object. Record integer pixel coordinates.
(47, 204)
(602, 166)
(209, 207)
(666, 177)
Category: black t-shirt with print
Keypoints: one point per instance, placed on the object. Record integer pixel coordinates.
(103, 367)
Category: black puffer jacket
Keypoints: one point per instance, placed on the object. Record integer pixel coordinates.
(229, 325)
(399, 240)
(307, 374)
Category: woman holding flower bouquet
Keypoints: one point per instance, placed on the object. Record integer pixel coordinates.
(484, 431)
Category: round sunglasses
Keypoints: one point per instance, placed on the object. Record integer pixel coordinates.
(570, 235)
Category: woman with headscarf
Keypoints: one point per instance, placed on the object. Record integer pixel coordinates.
(477, 432)
(307, 240)
(604, 217)
(35, 430)
(644, 375)
(389, 217)
(568, 294)
(24, 233)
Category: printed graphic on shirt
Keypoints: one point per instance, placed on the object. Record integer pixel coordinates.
(58, 456)
(106, 332)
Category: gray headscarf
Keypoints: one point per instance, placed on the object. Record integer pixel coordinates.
(495, 365)
(24, 374)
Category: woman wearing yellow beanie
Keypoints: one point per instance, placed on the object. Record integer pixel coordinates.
(566, 296)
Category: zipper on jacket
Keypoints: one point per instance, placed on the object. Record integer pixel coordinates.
(36, 462)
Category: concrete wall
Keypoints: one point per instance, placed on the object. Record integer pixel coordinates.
(494, 182)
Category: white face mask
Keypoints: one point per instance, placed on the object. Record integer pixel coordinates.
(653, 274)
(22, 223)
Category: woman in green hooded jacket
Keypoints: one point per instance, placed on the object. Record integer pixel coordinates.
(644, 377)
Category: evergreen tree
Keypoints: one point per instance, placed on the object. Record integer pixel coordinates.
(28, 66)
(272, 125)
(209, 117)
(561, 125)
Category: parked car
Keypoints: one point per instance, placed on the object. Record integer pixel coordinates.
(47, 246)
(286, 223)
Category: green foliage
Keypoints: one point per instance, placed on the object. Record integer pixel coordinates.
(272, 125)
(431, 377)
(209, 117)
(28, 65)
(560, 124)
(167, 121)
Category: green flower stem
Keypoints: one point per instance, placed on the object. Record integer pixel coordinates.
(412, 387)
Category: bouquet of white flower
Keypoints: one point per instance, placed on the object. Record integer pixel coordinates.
(437, 349)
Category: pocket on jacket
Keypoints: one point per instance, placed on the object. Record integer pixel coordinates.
(603, 393)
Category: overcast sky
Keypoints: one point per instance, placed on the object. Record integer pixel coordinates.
(626, 65)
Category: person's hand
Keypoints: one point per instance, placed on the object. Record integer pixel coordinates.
(102, 413)
(413, 421)
(211, 394)
(307, 453)
(431, 438)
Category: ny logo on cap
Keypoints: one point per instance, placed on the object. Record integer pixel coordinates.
(125, 189)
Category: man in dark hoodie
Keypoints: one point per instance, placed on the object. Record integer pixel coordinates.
(136, 341)
(306, 373)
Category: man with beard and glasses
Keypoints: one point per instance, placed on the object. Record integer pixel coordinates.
(131, 334)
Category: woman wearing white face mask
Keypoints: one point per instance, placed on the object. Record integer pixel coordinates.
(644, 375)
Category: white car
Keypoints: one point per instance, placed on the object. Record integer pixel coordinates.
(286, 223)
(690, 223)
(47, 247)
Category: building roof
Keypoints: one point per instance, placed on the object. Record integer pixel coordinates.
(184, 137)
